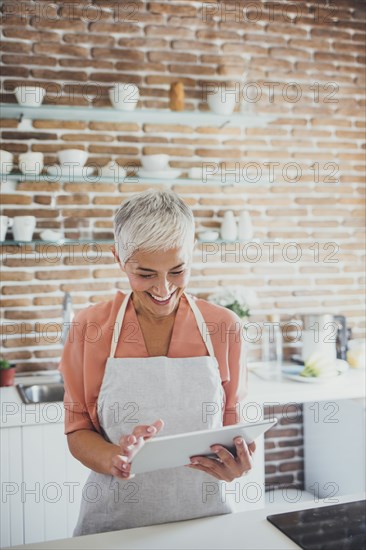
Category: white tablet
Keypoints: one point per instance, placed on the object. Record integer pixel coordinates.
(175, 450)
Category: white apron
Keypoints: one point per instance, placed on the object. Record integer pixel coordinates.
(139, 391)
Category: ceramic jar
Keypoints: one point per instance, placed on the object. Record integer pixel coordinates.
(245, 228)
(229, 230)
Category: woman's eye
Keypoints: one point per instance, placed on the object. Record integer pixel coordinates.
(172, 273)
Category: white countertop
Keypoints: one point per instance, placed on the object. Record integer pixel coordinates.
(350, 385)
(244, 530)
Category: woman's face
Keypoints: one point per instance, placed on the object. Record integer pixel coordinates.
(158, 279)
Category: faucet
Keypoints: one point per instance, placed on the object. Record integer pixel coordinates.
(67, 316)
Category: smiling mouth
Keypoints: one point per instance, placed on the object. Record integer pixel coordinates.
(161, 301)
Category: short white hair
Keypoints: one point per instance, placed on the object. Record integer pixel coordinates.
(152, 220)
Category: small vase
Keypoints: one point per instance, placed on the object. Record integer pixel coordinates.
(245, 230)
(7, 377)
(229, 230)
(176, 96)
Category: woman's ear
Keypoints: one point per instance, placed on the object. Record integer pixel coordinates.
(116, 257)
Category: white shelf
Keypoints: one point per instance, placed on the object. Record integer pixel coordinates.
(96, 178)
(158, 116)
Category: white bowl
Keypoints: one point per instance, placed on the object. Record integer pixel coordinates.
(6, 161)
(124, 96)
(75, 156)
(112, 170)
(208, 236)
(50, 235)
(155, 162)
(30, 95)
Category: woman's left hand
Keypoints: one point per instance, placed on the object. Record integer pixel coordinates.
(226, 467)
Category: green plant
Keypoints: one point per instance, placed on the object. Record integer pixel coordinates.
(4, 364)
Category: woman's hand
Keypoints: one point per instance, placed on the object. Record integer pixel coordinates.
(226, 467)
(130, 446)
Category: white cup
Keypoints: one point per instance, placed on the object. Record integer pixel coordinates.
(30, 95)
(222, 100)
(5, 223)
(23, 227)
(31, 163)
(6, 161)
(124, 96)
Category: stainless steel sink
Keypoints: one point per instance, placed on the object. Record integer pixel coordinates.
(41, 393)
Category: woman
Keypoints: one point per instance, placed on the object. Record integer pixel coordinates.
(152, 361)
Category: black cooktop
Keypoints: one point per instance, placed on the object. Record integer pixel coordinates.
(336, 527)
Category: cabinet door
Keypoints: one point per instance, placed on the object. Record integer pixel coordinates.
(11, 527)
(76, 476)
(334, 447)
(49, 510)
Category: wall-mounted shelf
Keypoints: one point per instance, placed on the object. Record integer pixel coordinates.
(157, 116)
(62, 242)
(96, 178)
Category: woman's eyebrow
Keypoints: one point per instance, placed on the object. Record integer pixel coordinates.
(153, 270)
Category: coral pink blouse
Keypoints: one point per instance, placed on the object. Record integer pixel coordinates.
(88, 346)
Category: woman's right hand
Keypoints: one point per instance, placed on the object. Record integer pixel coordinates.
(130, 446)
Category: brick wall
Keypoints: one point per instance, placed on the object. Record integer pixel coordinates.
(301, 61)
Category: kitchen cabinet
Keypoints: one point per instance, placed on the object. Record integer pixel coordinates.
(41, 484)
(12, 510)
(335, 447)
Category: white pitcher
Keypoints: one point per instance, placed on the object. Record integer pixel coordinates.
(245, 228)
(23, 228)
(6, 161)
(229, 230)
(5, 223)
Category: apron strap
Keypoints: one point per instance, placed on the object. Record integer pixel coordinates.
(196, 312)
(118, 324)
(201, 323)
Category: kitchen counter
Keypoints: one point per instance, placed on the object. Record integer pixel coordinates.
(350, 385)
(15, 413)
(244, 530)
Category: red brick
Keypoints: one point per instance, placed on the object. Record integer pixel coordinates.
(114, 53)
(176, 9)
(34, 36)
(172, 57)
(92, 38)
(60, 49)
(117, 27)
(18, 47)
(59, 75)
(192, 45)
(58, 24)
(191, 69)
(177, 32)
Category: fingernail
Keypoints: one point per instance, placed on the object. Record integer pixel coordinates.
(239, 441)
(150, 429)
(194, 462)
(215, 449)
(124, 466)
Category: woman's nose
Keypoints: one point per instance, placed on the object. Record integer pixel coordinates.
(162, 288)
